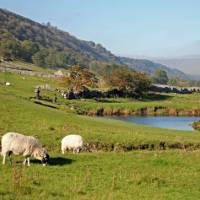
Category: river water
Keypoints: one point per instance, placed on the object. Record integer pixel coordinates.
(178, 123)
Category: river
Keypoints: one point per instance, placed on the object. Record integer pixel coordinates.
(178, 123)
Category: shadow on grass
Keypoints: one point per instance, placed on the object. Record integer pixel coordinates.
(60, 161)
(156, 97)
(145, 98)
(106, 100)
(53, 161)
(56, 161)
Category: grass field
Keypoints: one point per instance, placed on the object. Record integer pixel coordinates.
(135, 175)
(156, 174)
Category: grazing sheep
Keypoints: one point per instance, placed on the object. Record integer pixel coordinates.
(7, 84)
(27, 146)
(72, 142)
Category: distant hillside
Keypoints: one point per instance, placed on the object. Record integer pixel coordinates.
(83, 52)
(150, 67)
(190, 64)
(47, 36)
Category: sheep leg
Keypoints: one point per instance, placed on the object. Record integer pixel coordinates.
(28, 159)
(74, 151)
(63, 151)
(24, 163)
(4, 159)
(77, 150)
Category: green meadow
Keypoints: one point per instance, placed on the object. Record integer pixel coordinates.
(141, 174)
(135, 175)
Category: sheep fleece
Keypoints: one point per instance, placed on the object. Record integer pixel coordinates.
(18, 144)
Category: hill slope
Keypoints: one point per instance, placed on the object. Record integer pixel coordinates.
(47, 36)
(190, 64)
(150, 67)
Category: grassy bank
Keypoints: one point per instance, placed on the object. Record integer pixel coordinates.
(168, 174)
(157, 104)
(154, 104)
(50, 125)
(21, 114)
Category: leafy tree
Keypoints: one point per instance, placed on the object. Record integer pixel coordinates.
(160, 77)
(10, 48)
(39, 57)
(51, 58)
(103, 69)
(56, 59)
(5, 54)
(128, 80)
(29, 48)
(62, 60)
(78, 78)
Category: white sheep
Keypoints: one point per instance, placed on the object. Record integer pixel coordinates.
(7, 83)
(72, 142)
(27, 146)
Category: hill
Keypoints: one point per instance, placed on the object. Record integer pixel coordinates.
(79, 51)
(150, 67)
(189, 64)
(47, 36)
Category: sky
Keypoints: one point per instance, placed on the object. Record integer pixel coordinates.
(141, 28)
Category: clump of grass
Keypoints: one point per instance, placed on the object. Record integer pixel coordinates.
(20, 181)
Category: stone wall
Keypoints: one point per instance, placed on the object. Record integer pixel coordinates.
(174, 89)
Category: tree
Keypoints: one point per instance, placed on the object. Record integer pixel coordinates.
(78, 78)
(56, 59)
(5, 54)
(29, 48)
(39, 57)
(10, 48)
(160, 77)
(51, 58)
(128, 80)
(103, 69)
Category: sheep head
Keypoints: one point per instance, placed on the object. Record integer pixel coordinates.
(41, 154)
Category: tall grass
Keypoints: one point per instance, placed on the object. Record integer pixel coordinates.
(138, 175)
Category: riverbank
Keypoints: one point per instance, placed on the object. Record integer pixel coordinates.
(152, 105)
(146, 111)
